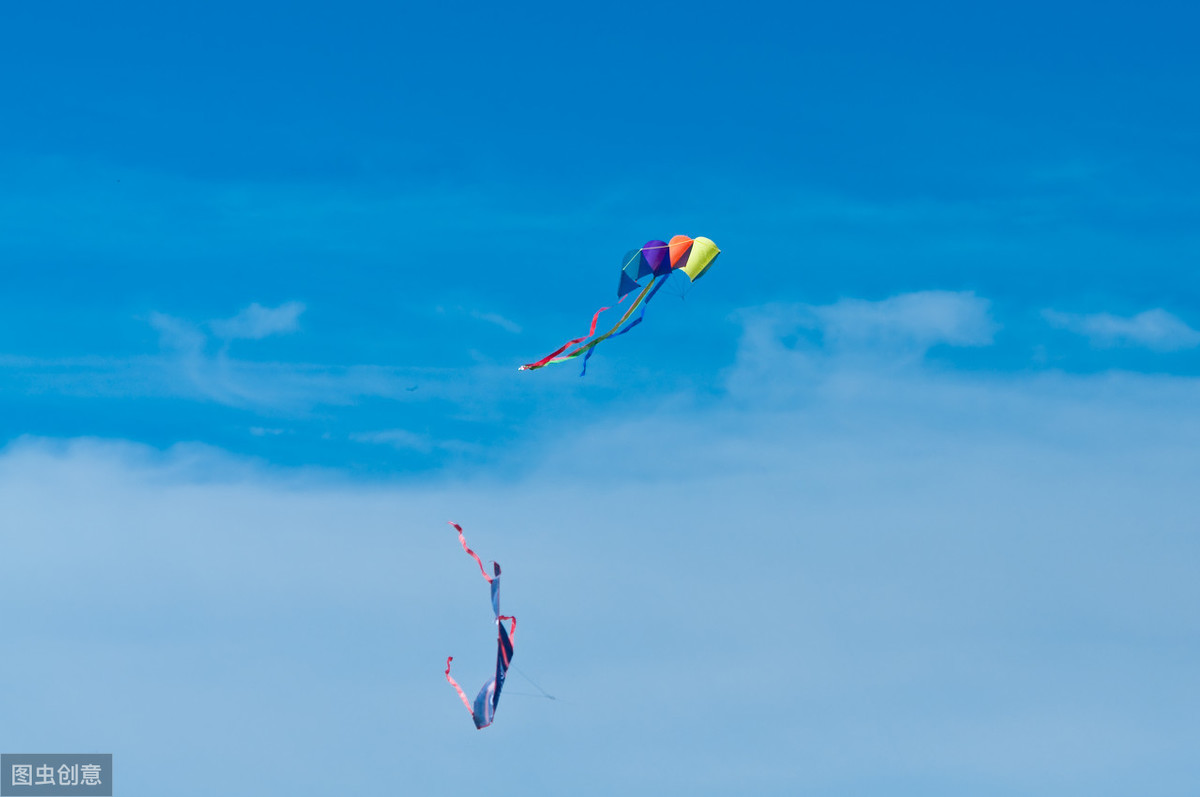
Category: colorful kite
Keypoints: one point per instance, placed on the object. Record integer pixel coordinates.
(484, 709)
(657, 260)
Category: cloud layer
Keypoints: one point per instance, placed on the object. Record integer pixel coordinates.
(838, 576)
(1154, 329)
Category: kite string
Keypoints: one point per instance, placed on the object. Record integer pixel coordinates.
(535, 683)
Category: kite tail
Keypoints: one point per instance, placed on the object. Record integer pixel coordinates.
(565, 346)
(461, 694)
(632, 323)
(483, 710)
(462, 538)
(592, 343)
(512, 629)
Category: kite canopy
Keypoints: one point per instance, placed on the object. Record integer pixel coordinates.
(699, 259)
(483, 710)
(655, 259)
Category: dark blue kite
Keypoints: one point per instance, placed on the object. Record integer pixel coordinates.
(484, 709)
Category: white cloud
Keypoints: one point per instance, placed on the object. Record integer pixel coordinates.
(189, 368)
(1153, 329)
(397, 438)
(177, 334)
(507, 324)
(783, 346)
(405, 440)
(256, 322)
(921, 320)
(252, 323)
(498, 320)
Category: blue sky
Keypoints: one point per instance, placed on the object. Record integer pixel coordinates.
(896, 500)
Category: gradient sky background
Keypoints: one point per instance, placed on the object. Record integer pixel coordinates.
(899, 499)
